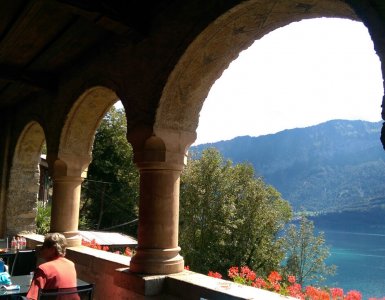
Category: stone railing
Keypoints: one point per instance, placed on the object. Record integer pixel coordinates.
(113, 279)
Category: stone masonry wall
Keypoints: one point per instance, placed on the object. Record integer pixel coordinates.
(22, 200)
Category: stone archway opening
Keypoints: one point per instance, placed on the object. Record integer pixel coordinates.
(302, 193)
(79, 130)
(220, 44)
(110, 193)
(299, 75)
(22, 202)
(74, 155)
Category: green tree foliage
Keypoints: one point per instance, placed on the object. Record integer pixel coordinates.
(111, 190)
(306, 253)
(228, 217)
(43, 218)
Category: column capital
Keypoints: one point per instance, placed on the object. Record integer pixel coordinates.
(153, 166)
(68, 165)
(74, 179)
(163, 145)
(176, 140)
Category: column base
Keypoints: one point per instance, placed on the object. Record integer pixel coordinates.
(157, 261)
(73, 238)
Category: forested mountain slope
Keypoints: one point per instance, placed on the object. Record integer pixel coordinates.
(337, 165)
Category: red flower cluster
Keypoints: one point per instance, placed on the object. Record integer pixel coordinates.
(274, 281)
(243, 275)
(214, 274)
(336, 292)
(288, 287)
(127, 252)
(316, 293)
(353, 295)
(93, 244)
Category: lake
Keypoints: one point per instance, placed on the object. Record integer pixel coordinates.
(360, 260)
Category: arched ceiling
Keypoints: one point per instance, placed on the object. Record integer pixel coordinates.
(41, 40)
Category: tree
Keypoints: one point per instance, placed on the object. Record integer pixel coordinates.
(228, 217)
(306, 253)
(111, 190)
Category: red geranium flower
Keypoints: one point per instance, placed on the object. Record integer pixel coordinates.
(291, 279)
(336, 292)
(233, 272)
(353, 295)
(214, 274)
(127, 252)
(274, 277)
(259, 283)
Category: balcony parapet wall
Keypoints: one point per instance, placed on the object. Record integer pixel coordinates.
(112, 277)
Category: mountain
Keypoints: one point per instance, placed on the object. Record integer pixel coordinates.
(338, 165)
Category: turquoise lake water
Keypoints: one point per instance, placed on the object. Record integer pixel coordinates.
(360, 261)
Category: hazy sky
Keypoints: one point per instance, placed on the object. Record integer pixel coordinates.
(299, 75)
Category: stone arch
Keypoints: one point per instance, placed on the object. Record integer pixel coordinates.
(219, 44)
(24, 180)
(77, 137)
(74, 156)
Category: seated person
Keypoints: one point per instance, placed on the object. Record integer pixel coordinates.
(57, 271)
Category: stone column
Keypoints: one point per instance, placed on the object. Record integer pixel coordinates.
(67, 177)
(158, 251)
(160, 164)
(65, 207)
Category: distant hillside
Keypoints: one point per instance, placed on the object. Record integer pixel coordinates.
(334, 166)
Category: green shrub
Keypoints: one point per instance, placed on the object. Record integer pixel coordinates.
(43, 218)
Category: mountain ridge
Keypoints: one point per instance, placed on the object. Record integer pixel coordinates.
(333, 166)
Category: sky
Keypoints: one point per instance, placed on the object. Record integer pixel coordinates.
(299, 75)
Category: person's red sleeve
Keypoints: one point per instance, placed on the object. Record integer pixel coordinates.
(38, 282)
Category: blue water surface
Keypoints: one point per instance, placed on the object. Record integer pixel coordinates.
(360, 261)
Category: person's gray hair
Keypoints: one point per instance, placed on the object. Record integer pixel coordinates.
(57, 241)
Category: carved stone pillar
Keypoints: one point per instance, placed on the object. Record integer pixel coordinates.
(160, 160)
